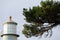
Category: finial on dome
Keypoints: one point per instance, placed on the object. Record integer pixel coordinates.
(10, 18)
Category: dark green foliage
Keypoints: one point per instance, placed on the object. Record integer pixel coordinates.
(48, 12)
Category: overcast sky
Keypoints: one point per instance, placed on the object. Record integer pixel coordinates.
(14, 8)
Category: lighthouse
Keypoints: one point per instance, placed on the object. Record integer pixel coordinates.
(9, 30)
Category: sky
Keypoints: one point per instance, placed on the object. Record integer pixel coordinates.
(14, 8)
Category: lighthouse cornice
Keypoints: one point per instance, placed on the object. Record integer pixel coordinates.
(10, 22)
(10, 34)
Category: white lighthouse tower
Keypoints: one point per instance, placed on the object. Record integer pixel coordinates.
(9, 32)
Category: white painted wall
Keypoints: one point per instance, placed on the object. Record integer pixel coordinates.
(9, 37)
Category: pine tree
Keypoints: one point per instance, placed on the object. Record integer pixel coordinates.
(37, 16)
